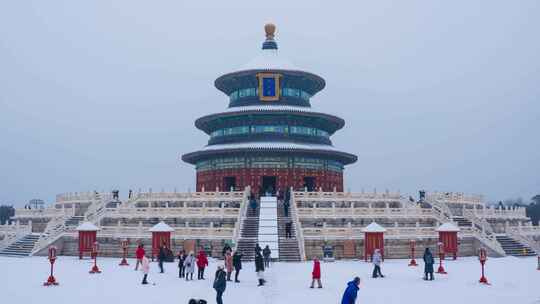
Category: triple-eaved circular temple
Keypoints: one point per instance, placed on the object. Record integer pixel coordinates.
(270, 174)
(269, 138)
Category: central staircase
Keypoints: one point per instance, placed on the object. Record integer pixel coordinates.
(461, 221)
(288, 247)
(249, 234)
(513, 247)
(74, 221)
(22, 247)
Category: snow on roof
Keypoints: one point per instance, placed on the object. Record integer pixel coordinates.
(161, 227)
(448, 227)
(374, 227)
(270, 108)
(87, 226)
(270, 145)
(269, 59)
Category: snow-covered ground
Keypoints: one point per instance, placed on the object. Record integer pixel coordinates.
(514, 280)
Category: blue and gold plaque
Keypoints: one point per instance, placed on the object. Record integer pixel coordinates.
(268, 86)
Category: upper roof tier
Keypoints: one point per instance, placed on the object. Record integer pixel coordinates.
(269, 60)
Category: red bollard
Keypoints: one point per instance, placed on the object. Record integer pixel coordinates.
(124, 248)
(51, 281)
(413, 261)
(95, 249)
(441, 258)
(482, 257)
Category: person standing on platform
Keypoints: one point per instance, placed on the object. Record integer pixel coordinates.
(376, 259)
(266, 255)
(351, 292)
(145, 267)
(237, 263)
(259, 268)
(162, 255)
(258, 249)
(202, 262)
(139, 254)
(220, 284)
(181, 268)
(228, 264)
(428, 267)
(189, 264)
(316, 273)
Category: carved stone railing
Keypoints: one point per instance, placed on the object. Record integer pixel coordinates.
(133, 212)
(12, 233)
(53, 231)
(345, 196)
(348, 232)
(242, 214)
(364, 212)
(298, 228)
(41, 213)
(523, 234)
(178, 233)
(480, 222)
(455, 198)
(77, 197)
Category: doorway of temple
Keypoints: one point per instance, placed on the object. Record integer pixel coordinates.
(229, 183)
(309, 183)
(269, 185)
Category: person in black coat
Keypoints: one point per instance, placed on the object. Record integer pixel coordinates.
(237, 264)
(162, 256)
(181, 267)
(286, 206)
(259, 268)
(266, 255)
(428, 267)
(258, 249)
(288, 230)
(226, 248)
(220, 283)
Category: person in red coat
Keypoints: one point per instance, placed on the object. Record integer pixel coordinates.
(139, 254)
(202, 262)
(316, 273)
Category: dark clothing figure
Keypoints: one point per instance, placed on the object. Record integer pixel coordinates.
(161, 257)
(181, 267)
(237, 264)
(220, 284)
(286, 206)
(130, 193)
(428, 267)
(351, 292)
(259, 268)
(258, 249)
(266, 254)
(288, 230)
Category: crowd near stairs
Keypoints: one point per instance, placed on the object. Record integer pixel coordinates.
(22, 247)
(249, 234)
(513, 247)
(288, 247)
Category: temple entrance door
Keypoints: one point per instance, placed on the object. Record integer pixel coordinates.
(309, 183)
(269, 185)
(229, 182)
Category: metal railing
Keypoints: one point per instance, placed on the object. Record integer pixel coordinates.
(298, 228)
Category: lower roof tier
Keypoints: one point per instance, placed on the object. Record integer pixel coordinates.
(271, 148)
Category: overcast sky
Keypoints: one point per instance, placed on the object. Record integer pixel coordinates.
(441, 95)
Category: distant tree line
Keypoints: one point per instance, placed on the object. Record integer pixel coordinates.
(5, 213)
(532, 209)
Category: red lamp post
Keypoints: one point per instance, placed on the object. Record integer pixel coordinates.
(482, 257)
(95, 249)
(441, 258)
(52, 257)
(124, 244)
(413, 261)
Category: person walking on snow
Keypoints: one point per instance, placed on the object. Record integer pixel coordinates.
(237, 263)
(145, 269)
(259, 268)
(139, 254)
(181, 268)
(189, 264)
(228, 264)
(428, 267)
(161, 257)
(258, 249)
(220, 284)
(316, 273)
(266, 254)
(202, 262)
(376, 259)
(351, 292)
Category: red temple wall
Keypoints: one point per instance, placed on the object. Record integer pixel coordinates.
(213, 179)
